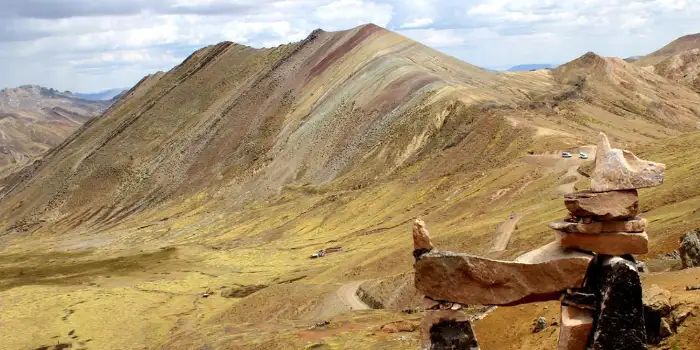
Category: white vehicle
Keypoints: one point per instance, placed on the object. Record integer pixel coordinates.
(583, 155)
(566, 154)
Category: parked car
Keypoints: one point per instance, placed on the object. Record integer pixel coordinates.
(566, 154)
(583, 155)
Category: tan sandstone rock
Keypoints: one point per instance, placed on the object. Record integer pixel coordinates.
(467, 279)
(604, 206)
(576, 327)
(421, 237)
(617, 169)
(613, 243)
(597, 227)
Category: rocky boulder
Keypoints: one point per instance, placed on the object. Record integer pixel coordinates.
(689, 249)
(400, 326)
(540, 325)
(447, 330)
(604, 206)
(620, 324)
(467, 279)
(617, 169)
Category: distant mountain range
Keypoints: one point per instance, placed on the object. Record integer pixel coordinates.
(100, 96)
(34, 119)
(529, 67)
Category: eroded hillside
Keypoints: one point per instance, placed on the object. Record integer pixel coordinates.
(234, 167)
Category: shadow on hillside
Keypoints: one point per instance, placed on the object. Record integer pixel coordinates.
(70, 268)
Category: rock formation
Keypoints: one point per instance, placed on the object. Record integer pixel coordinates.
(589, 267)
(421, 239)
(690, 249)
(617, 170)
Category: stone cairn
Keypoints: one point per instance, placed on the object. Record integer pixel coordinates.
(589, 267)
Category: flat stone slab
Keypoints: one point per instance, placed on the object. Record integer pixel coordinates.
(617, 169)
(614, 243)
(575, 328)
(597, 227)
(603, 206)
(467, 279)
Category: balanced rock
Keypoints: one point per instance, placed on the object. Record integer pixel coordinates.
(421, 238)
(614, 243)
(447, 330)
(632, 225)
(576, 328)
(690, 250)
(617, 169)
(620, 323)
(467, 279)
(603, 206)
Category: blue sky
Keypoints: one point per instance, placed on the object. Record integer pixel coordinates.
(90, 45)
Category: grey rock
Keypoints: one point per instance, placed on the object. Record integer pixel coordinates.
(540, 325)
(689, 250)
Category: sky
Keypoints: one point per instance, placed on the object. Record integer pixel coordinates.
(93, 45)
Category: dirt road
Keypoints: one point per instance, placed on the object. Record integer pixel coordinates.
(348, 295)
(503, 233)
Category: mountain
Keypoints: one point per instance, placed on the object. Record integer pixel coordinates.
(683, 68)
(678, 61)
(677, 46)
(227, 172)
(632, 59)
(34, 118)
(102, 95)
(530, 67)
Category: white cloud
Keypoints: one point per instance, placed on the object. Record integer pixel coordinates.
(96, 44)
(417, 23)
(436, 38)
(347, 13)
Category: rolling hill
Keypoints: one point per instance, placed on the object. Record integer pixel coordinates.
(231, 169)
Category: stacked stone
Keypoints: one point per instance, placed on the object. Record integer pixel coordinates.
(604, 221)
(589, 268)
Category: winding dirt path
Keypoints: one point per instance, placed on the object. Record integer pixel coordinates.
(348, 295)
(503, 233)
